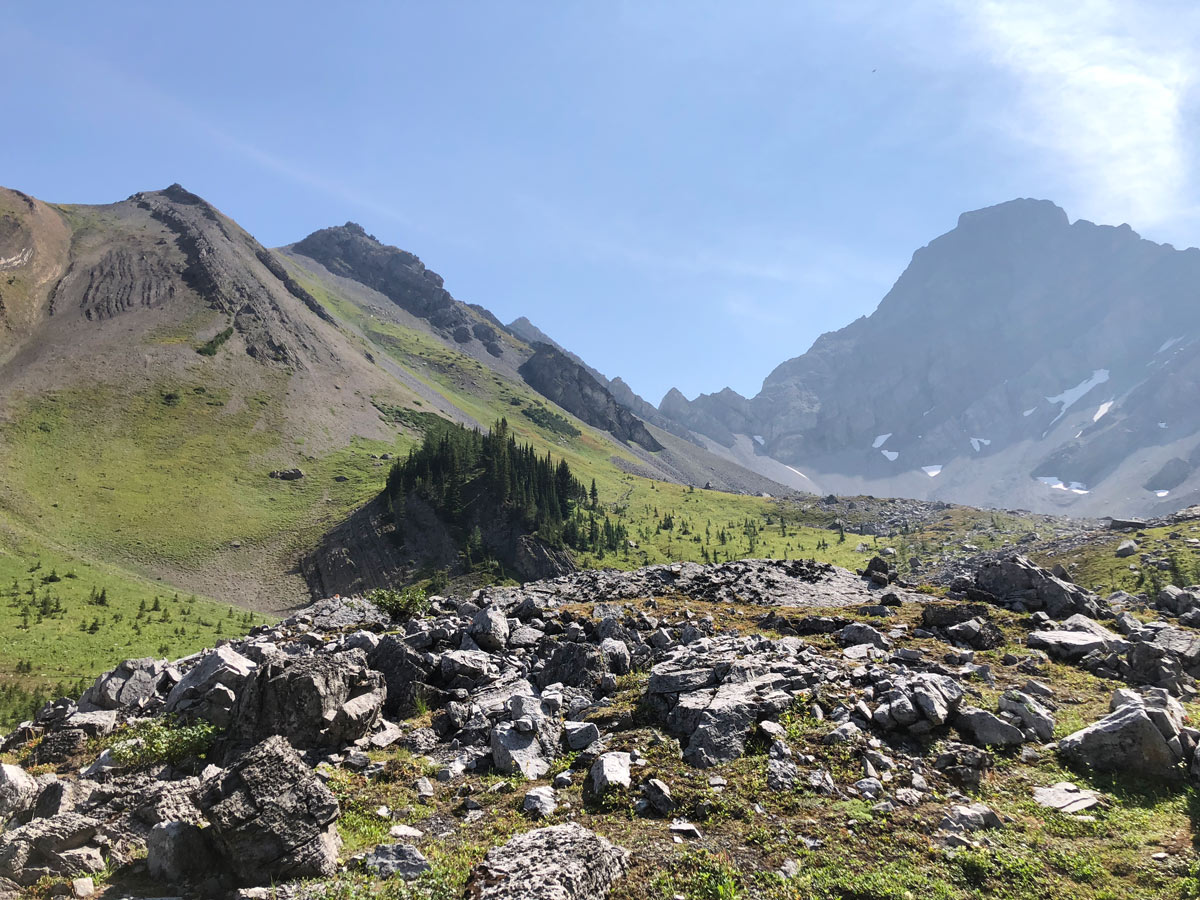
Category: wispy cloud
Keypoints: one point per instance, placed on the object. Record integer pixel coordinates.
(1104, 87)
(90, 76)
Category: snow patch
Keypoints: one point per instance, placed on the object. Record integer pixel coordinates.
(880, 440)
(798, 472)
(760, 439)
(1168, 344)
(892, 455)
(932, 471)
(1069, 397)
(977, 443)
(1057, 484)
(1161, 493)
(1162, 424)
(1103, 410)
(1029, 412)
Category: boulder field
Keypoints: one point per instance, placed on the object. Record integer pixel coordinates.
(230, 773)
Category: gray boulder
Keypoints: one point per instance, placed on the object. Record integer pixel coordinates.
(860, 633)
(1032, 714)
(975, 817)
(176, 851)
(564, 862)
(406, 674)
(528, 752)
(1124, 740)
(616, 656)
(1067, 646)
(580, 734)
(609, 772)
(57, 847)
(489, 629)
(197, 694)
(271, 818)
(539, 802)
(986, 729)
(1018, 580)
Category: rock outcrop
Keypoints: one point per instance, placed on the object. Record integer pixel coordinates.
(564, 381)
(557, 863)
(271, 818)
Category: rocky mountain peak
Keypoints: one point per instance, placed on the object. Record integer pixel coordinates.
(348, 251)
(1020, 215)
(1019, 360)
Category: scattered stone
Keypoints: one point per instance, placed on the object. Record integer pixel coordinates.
(685, 829)
(658, 795)
(975, 817)
(540, 801)
(610, 771)
(1066, 797)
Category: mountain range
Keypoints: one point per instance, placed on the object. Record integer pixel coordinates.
(157, 364)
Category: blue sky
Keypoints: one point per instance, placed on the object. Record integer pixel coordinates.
(684, 193)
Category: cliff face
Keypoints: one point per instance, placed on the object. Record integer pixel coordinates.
(1019, 360)
(555, 376)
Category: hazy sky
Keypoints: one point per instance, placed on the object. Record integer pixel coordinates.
(684, 193)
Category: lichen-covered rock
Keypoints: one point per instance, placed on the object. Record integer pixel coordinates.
(271, 818)
(55, 847)
(317, 701)
(18, 790)
(564, 862)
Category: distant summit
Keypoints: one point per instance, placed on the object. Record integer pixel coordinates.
(1020, 360)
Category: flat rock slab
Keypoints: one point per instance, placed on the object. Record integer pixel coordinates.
(1067, 645)
(564, 862)
(1066, 797)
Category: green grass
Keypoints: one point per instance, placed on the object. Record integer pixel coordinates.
(751, 525)
(171, 474)
(56, 637)
(1094, 564)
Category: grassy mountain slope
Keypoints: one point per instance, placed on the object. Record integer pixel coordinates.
(157, 363)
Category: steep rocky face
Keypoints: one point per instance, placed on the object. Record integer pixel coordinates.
(1019, 360)
(555, 376)
(621, 392)
(401, 276)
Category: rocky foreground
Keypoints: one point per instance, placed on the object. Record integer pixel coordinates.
(578, 738)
